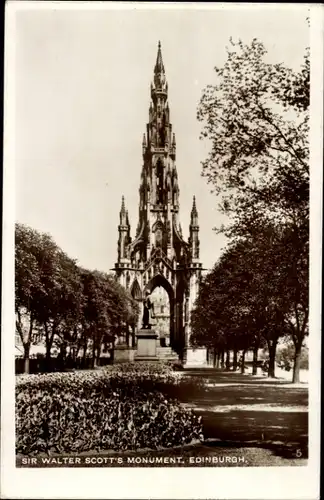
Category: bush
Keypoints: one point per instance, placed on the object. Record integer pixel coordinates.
(285, 357)
(176, 365)
(121, 408)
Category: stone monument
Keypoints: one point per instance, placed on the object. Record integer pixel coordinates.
(146, 336)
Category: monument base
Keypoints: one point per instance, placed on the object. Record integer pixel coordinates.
(123, 354)
(196, 358)
(146, 345)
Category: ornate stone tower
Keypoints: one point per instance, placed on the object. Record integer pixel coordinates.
(158, 255)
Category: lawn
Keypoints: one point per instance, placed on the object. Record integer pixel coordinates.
(245, 410)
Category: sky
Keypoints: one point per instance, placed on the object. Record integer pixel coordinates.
(82, 93)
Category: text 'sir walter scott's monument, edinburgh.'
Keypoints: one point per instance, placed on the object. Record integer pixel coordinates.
(158, 256)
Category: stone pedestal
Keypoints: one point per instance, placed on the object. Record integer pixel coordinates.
(196, 358)
(146, 345)
(123, 354)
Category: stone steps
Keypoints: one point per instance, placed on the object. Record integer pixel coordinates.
(166, 353)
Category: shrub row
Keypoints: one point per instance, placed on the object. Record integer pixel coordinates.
(126, 407)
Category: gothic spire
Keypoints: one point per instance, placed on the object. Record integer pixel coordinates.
(122, 210)
(123, 213)
(194, 213)
(159, 74)
(159, 66)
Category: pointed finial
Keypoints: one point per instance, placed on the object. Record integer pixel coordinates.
(173, 140)
(123, 205)
(144, 140)
(194, 208)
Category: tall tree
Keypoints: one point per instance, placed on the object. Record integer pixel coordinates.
(59, 284)
(27, 285)
(107, 310)
(256, 117)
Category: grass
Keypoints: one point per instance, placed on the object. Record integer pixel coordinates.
(246, 410)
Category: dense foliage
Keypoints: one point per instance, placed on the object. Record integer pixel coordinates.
(117, 409)
(256, 119)
(65, 306)
(286, 355)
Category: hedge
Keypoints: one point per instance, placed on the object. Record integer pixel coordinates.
(123, 408)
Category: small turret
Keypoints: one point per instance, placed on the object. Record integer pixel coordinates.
(122, 213)
(124, 231)
(194, 213)
(194, 231)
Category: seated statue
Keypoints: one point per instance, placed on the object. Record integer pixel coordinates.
(148, 312)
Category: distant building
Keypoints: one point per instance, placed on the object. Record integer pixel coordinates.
(161, 303)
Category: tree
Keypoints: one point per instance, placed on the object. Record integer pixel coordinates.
(107, 309)
(221, 317)
(71, 307)
(27, 285)
(242, 303)
(256, 118)
(54, 299)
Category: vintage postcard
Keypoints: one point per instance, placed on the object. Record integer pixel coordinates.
(162, 250)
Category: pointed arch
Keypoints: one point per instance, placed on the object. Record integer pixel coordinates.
(136, 291)
(160, 280)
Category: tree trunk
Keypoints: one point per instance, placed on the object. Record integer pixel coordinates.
(272, 345)
(48, 359)
(223, 360)
(228, 361)
(63, 355)
(243, 362)
(49, 337)
(255, 360)
(113, 349)
(126, 335)
(214, 357)
(218, 360)
(26, 357)
(93, 363)
(84, 356)
(234, 360)
(297, 360)
(98, 354)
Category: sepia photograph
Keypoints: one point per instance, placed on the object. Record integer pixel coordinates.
(160, 173)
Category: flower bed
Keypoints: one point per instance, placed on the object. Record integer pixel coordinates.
(125, 407)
